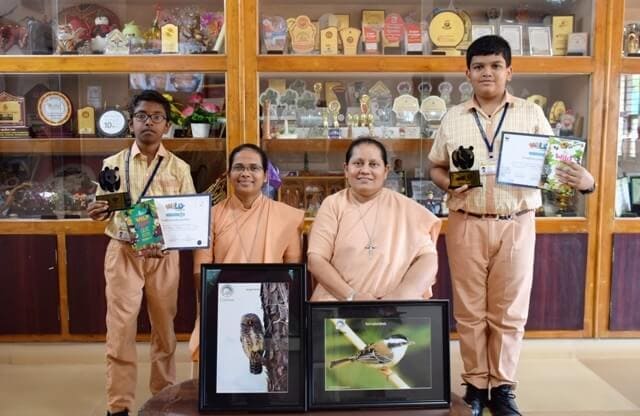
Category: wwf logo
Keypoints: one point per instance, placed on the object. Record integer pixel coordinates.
(109, 179)
(463, 158)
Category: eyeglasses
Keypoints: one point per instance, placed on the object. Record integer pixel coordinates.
(142, 117)
(253, 168)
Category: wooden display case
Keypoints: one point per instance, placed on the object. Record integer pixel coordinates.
(573, 275)
(617, 278)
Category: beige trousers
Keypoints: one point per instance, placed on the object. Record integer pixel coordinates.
(491, 264)
(127, 275)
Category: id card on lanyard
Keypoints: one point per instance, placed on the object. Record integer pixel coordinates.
(489, 166)
(146, 187)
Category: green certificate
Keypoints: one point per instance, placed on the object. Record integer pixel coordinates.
(144, 226)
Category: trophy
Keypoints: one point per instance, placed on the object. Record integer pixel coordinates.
(333, 109)
(446, 31)
(467, 38)
(317, 89)
(109, 180)
(350, 37)
(425, 89)
(405, 108)
(558, 108)
(631, 40)
(445, 88)
(433, 108)
(466, 91)
(463, 159)
(12, 116)
(274, 34)
(329, 41)
(539, 100)
(303, 35)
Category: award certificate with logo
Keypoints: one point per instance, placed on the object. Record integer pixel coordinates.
(185, 220)
(522, 158)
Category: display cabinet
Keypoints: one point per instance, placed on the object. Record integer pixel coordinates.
(618, 289)
(67, 72)
(416, 48)
(571, 53)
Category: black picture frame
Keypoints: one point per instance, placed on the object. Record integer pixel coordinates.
(232, 303)
(424, 369)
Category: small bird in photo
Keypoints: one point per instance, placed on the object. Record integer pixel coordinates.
(252, 339)
(383, 354)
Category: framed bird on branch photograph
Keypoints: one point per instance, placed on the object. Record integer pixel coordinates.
(252, 337)
(378, 354)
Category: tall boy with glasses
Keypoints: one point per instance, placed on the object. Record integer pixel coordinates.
(146, 169)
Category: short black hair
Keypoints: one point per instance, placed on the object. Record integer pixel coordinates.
(253, 147)
(489, 45)
(366, 140)
(151, 96)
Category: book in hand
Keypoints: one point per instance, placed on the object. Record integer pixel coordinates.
(531, 160)
(144, 226)
(559, 150)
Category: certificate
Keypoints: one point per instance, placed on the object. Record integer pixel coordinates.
(539, 41)
(478, 31)
(185, 220)
(521, 159)
(513, 35)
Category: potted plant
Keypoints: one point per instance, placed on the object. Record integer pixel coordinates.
(200, 115)
(175, 116)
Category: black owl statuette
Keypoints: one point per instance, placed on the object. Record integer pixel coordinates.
(463, 159)
(109, 180)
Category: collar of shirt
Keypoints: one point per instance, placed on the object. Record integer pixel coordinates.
(135, 150)
(473, 103)
(236, 203)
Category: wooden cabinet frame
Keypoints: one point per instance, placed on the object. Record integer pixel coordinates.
(242, 66)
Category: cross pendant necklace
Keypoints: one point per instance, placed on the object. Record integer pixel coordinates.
(370, 245)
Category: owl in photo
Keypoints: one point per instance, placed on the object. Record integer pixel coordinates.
(252, 339)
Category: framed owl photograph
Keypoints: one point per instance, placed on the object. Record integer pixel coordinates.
(252, 338)
(378, 354)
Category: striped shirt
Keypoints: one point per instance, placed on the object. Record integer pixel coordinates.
(173, 178)
(459, 128)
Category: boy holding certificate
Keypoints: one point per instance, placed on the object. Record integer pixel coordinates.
(144, 169)
(491, 230)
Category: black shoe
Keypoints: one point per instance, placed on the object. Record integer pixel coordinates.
(121, 413)
(503, 402)
(476, 399)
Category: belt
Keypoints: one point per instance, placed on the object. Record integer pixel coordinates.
(495, 216)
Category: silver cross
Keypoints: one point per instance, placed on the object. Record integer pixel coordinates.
(370, 247)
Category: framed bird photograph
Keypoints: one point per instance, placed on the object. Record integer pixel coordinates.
(251, 337)
(378, 354)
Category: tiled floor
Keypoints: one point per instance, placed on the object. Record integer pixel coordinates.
(557, 377)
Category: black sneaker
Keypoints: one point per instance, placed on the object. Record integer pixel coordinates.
(121, 413)
(503, 401)
(476, 399)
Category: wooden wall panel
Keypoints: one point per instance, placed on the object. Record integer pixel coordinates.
(85, 283)
(558, 293)
(87, 305)
(625, 283)
(29, 285)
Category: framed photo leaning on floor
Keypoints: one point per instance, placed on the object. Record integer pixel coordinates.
(378, 354)
(251, 331)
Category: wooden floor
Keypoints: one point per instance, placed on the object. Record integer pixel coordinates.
(557, 378)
